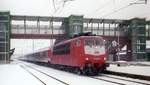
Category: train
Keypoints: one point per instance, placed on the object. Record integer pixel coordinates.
(81, 54)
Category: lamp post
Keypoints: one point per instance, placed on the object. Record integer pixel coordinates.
(118, 44)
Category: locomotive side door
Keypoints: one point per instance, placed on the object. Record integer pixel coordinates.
(76, 52)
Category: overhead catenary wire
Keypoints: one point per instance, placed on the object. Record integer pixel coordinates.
(56, 9)
(54, 5)
(120, 9)
(101, 7)
(115, 11)
(146, 13)
(59, 5)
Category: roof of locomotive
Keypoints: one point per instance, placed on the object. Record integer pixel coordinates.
(76, 38)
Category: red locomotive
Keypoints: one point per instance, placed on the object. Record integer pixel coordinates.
(82, 54)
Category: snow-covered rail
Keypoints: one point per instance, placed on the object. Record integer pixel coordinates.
(141, 77)
(122, 80)
(69, 78)
(34, 75)
(27, 67)
(107, 80)
(125, 79)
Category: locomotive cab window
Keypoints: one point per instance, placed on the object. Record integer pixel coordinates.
(98, 43)
(94, 47)
(89, 43)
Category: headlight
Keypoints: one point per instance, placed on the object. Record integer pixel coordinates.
(87, 59)
(104, 58)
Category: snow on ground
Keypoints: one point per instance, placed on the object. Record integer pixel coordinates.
(45, 79)
(12, 74)
(127, 78)
(70, 78)
(139, 70)
(74, 79)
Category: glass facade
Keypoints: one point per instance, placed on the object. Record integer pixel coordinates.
(73, 25)
(138, 39)
(4, 37)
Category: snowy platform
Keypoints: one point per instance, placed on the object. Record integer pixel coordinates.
(131, 69)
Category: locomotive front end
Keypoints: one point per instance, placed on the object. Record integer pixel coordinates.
(95, 55)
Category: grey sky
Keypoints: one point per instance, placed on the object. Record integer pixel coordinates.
(88, 8)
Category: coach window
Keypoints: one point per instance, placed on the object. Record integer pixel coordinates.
(78, 42)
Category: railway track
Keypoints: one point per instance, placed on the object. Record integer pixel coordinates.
(33, 75)
(129, 80)
(26, 67)
(107, 80)
(141, 77)
(117, 80)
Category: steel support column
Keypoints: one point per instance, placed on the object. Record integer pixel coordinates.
(103, 28)
(51, 27)
(87, 26)
(148, 30)
(24, 24)
(115, 30)
(92, 27)
(38, 25)
(98, 29)
(109, 29)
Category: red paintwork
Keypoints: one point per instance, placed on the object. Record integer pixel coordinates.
(77, 57)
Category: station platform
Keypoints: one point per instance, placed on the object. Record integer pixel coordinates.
(135, 68)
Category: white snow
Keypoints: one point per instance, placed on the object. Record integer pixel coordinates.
(120, 81)
(12, 74)
(139, 70)
(127, 78)
(70, 78)
(44, 78)
(74, 79)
